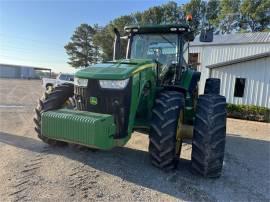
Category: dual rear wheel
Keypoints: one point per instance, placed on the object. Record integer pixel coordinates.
(208, 143)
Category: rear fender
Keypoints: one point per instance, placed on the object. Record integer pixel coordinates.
(189, 80)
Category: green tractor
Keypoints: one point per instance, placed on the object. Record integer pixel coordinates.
(153, 90)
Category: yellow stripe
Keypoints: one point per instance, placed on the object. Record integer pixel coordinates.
(142, 68)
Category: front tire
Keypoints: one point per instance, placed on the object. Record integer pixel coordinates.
(209, 134)
(163, 128)
(49, 87)
(56, 99)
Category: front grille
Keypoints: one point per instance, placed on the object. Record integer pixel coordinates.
(81, 98)
(109, 101)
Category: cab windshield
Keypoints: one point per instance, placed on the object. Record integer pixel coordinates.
(161, 47)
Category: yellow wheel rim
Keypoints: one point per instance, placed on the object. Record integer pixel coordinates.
(179, 136)
(68, 104)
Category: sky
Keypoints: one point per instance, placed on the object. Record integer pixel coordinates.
(34, 32)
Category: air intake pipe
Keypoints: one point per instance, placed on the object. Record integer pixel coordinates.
(117, 45)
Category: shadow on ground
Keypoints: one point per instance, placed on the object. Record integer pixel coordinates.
(134, 166)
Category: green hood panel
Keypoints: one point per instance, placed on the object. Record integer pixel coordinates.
(114, 70)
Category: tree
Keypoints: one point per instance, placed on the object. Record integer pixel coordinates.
(104, 40)
(81, 49)
(212, 12)
(152, 15)
(223, 15)
(105, 37)
(197, 9)
(229, 16)
(256, 14)
(164, 14)
(96, 49)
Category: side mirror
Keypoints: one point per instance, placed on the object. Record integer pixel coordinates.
(117, 47)
(206, 35)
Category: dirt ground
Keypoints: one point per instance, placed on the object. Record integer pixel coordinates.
(33, 171)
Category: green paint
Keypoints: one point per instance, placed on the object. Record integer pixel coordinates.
(93, 100)
(97, 130)
(62, 124)
(117, 70)
(145, 100)
(86, 128)
(186, 78)
(140, 81)
(189, 111)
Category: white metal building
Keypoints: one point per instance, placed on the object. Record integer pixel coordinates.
(242, 63)
(20, 71)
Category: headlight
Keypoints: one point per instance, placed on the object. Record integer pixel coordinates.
(80, 82)
(114, 84)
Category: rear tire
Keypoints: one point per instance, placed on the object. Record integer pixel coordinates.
(50, 101)
(165, 115)
(212, 86)
(209, 134)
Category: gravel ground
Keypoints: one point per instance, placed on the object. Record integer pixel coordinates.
(34, 171)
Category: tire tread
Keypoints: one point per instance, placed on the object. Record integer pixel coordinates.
(50, 101)
(209, 135)
(162, 137)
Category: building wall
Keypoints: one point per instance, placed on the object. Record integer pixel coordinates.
(27, 72)
(209, 55)
(16, 72)
(257, 85)
(9, 72)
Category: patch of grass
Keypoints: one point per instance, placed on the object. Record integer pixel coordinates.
(248, 112)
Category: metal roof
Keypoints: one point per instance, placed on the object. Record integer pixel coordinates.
(237, 38)
(239, 60)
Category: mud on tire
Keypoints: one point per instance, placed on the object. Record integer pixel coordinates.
(209, 134)
(50, 101)
(165, 114)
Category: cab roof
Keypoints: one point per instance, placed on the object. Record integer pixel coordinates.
(169, 28)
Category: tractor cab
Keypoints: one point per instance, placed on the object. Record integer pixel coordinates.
(165, 45)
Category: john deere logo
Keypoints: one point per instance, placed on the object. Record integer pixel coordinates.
(93, 101)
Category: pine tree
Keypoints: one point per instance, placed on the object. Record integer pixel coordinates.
(81, 50)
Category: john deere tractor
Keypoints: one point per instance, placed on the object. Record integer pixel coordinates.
(153, 90)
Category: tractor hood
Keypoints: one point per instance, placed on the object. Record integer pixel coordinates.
(115, 70)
